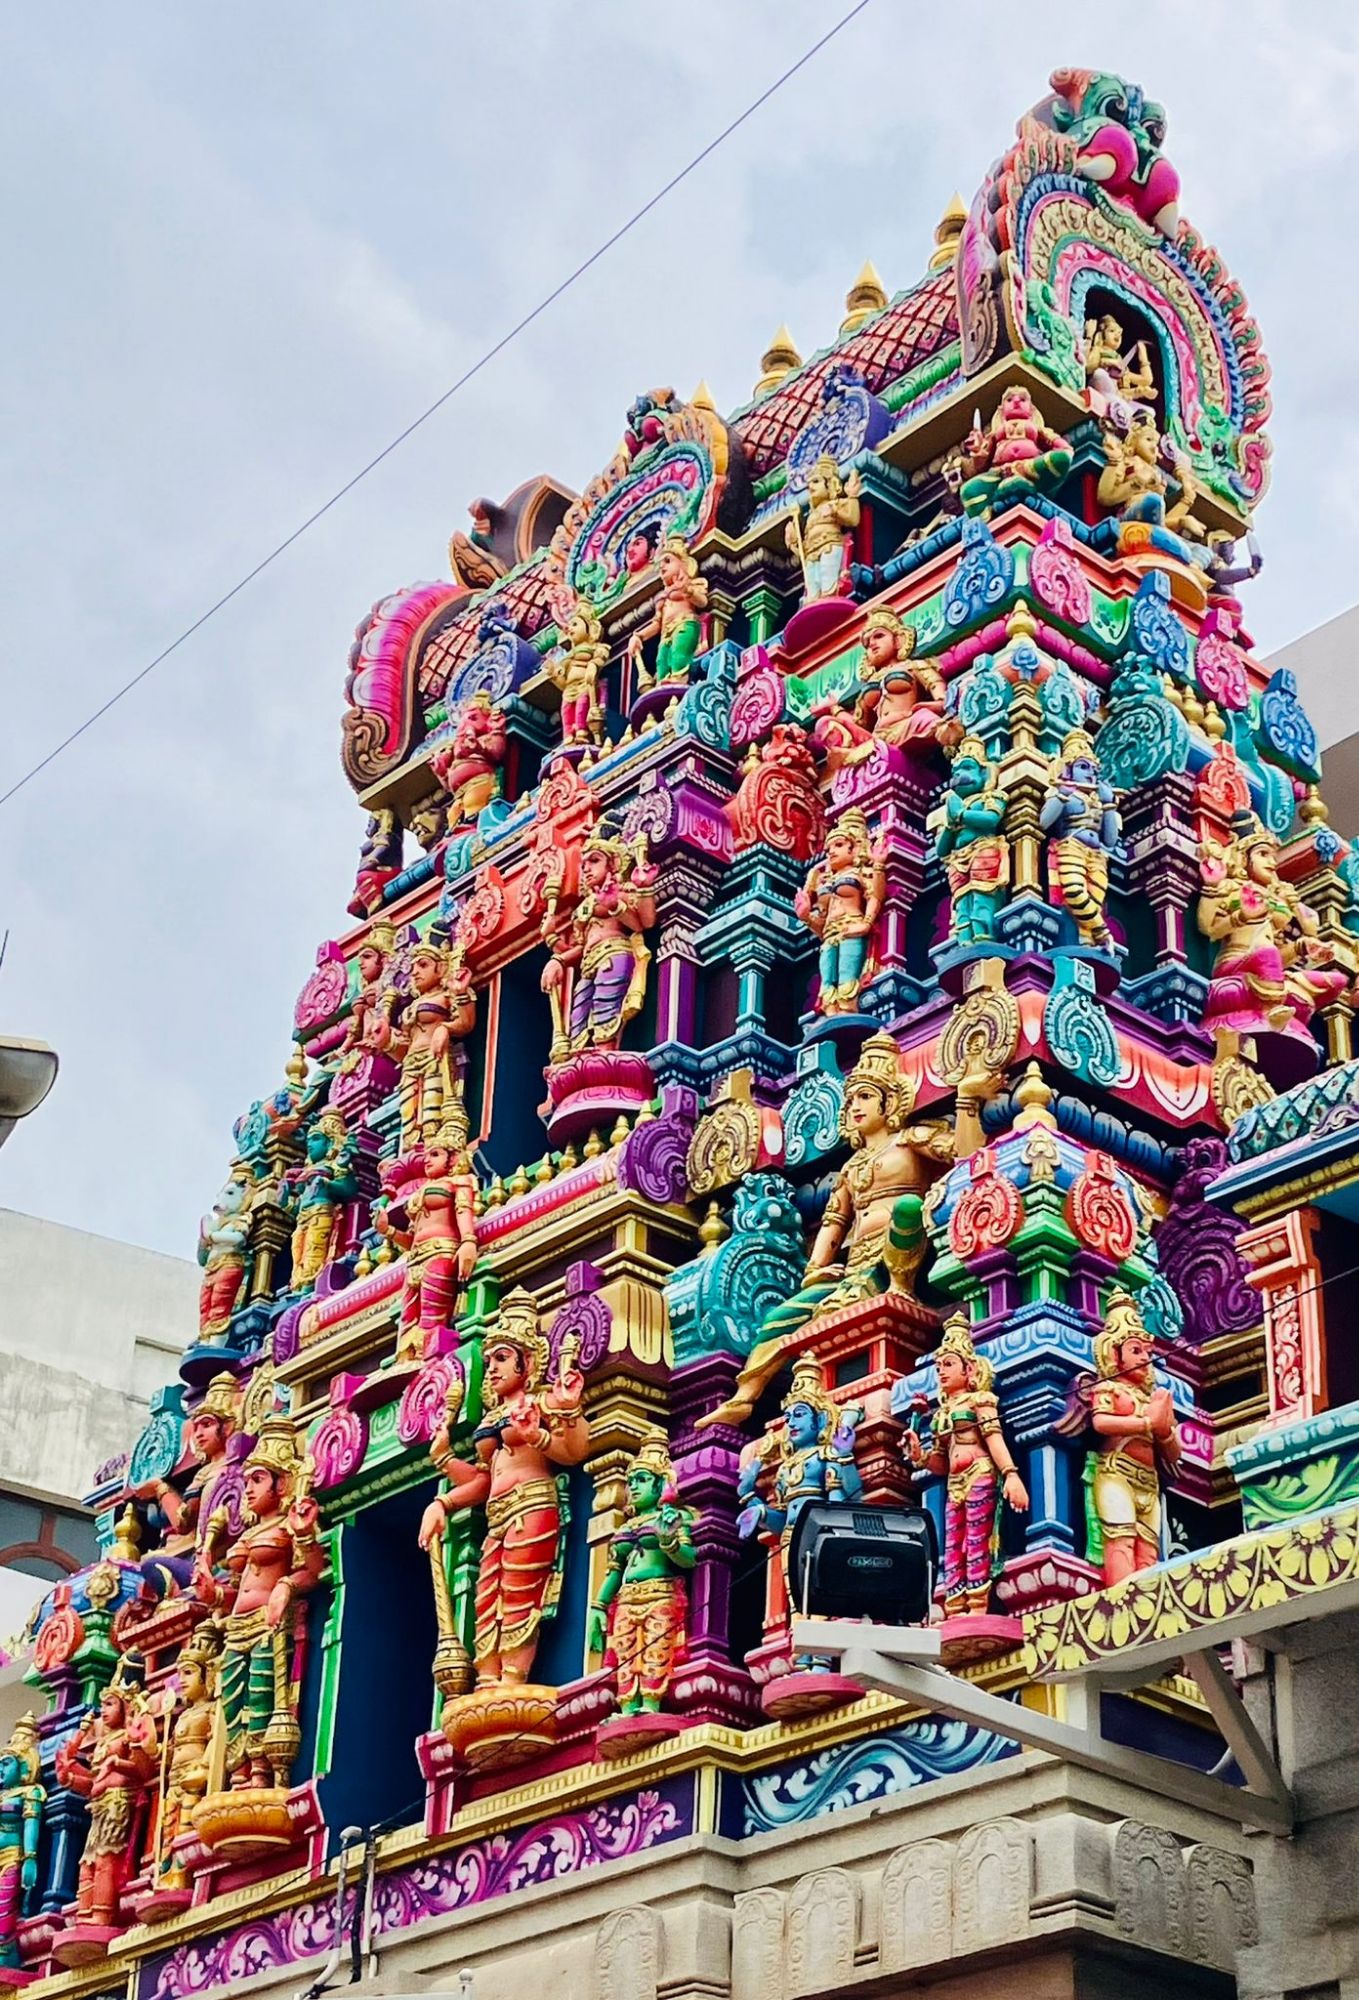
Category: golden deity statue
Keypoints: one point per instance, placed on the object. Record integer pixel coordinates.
(822, 542)
(872, 1234)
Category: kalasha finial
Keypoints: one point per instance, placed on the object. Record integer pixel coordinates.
(947, 231)
(866, 296)
(777, 362)
(1033, 1100)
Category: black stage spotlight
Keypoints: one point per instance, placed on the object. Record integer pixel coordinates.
(864, 1562)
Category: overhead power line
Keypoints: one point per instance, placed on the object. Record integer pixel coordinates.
(520, 326)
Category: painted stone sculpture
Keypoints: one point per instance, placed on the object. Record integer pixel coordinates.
(640, 1613)
(1136, 1443)
(111, 1762)
(1016, 455)
(968, 1449)
(267, 1570)
(374, 957)
(823, 541)
(441, 1010)
(972, 842)
(223, 1242)
(840, 903)
(576, 669)
(187, 1759)
(1083, 827)
(901, 700)
(1273, 969)
(317, 1192)
(468, 767)
(435, 1228)
(21, 1802)
(188, 1511)
(530, 1426)
(677, 621)
(809, 1456)
(600, 942)
(872, 1235)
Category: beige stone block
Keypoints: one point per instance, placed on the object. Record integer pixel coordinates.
(992, 1883)
(757, 1946)
(916, 1903)
(1222, 1918)
(628, 1948)
(823, 1925)
(1150, 1901)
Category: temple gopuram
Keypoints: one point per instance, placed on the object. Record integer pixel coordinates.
(846, 1002)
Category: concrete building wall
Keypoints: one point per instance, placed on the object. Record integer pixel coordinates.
(89, 1328)
(1326, 662)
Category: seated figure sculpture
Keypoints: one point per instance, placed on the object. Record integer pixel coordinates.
(872, 1235)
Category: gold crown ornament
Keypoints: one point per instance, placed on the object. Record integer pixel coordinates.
(653, 1455)
(807, 1387)
(381, 938)
(276, 1449)
(879, 1066)
(1122, 1321)
(957, 1340)
(221, 1400)
(516, 1325)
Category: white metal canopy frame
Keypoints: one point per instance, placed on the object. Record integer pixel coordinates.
(902, 1661)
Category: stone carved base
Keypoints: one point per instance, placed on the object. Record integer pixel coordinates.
(805, 1692)
(501, 1723)
(622, 1735)
(588, 1092)
(83, 1944)
(978, 1635)
(158, 1904)
(242, 1826)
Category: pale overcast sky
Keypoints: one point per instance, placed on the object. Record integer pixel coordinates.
(243, 246)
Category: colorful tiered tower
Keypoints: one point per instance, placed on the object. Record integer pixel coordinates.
(840, 897)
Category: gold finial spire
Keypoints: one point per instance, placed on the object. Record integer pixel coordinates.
(702, 397)
(866, 296)
(779, 360)
(1033, 1101)
(947, 231)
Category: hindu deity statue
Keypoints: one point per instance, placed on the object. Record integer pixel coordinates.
(468, 766)
(600, 941)
(1122, 379)
(435, 1228)
(840, 902)
(575, 668)
(530, 1426)
(807, 1457)
(972, 843)
(1273, 969)
(379, 861)
(374, 958)
(901, 700)
(1015, 455)
(189, 1720)
(111, 1762)
(223, 1243)
(267, 1571)
(1083, 828)
(967, 1448)
(442, 1009)
(317, 1192)
(210, 1427)
(823, 541)
(1137, 1443)
(872, 1233)
(1133, 482)
(21, 1803)
(639, 1614)
(678, 616)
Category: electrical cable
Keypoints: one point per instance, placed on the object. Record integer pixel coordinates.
(520, 326)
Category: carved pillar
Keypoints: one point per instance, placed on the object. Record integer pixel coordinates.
(1282, 1264)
